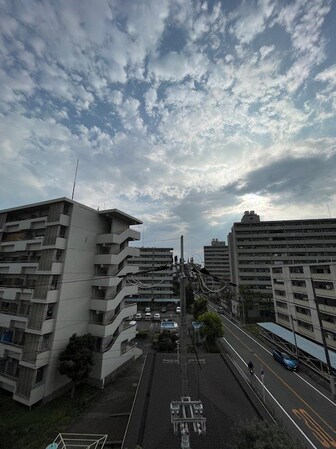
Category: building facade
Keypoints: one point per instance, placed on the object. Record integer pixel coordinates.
(255, 246)
(59, 268)
(216, 261)
(154, 285)
(296, 289)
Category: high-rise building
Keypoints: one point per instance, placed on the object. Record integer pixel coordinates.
(154, 285)
(296, 290)
(216, 261)
(60, 263)
(255, 246)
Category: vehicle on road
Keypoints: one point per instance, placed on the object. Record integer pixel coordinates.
(147, 309)
(220, 309)
(157, 316)
(163, 309)
(286, 360)
(138, 316)
(178, 309)
(148, 316)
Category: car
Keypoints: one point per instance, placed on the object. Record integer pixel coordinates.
(138, 316)
(286, 360)
(157, 316)
(148, 316)
(220, 309)
(178, 309)
(147, 309)
(163, 309)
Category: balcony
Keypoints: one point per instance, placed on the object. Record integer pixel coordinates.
(64, 220)
(40, 359)
(56, 268)
(128, 234)
(105, 281)
(325, 293)
(60, 243)
(35, 395)
(115, 259)
(106, 305)
(105, 330)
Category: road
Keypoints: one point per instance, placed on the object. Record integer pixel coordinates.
(305, 410)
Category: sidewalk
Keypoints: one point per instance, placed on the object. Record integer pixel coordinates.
(111, 410)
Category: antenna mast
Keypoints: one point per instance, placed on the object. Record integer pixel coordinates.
(74, 184)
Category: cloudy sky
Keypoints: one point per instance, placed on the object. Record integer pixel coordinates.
(182, 113)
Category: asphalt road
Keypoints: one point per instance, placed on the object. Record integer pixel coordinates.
(305, 409)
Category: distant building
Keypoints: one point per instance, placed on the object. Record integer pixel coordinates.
(216, 261)
(255, 246)
(156, 286)
(59, 267)
(294, 302)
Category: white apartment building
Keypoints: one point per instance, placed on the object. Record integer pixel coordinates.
(59, 267)
(296, 288)
(216, 261)
(255, 246)
(154, 285)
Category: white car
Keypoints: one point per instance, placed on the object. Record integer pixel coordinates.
(157, 316)
(148, 316)
(178, 309)
(147, 309)
(138, 316)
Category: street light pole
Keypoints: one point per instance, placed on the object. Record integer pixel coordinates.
(294, 334)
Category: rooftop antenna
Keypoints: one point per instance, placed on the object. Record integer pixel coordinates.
(74, 184)
(329, 210)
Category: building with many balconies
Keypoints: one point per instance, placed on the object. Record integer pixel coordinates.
(296, 289)
(216, 261)
(255, 246)
(156, 286)
(60, 263)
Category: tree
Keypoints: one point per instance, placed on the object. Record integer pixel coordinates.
(76, 360)
(200, 306)
(213, 326)
(258, 434)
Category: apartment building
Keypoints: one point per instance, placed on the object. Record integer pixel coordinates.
(255, 246)
(59, 267)
(216, 261)
(154, 285)
(296, 289)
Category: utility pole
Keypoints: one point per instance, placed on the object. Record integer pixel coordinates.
(294, 334)
(326, 351)
(185, 413)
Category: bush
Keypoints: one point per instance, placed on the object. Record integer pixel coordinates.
(142, 335)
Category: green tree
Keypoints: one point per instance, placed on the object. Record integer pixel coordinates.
(200, 306)
(213, 326)
(167, 341)
(258, 434)
(76, 360)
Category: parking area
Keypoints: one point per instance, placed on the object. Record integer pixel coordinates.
(149, 317)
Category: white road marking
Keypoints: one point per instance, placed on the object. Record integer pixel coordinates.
(269, 352)
(270, 394)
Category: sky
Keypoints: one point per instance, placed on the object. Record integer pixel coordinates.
(182, 113)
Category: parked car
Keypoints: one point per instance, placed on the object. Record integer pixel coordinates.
(138, 316)
(163, 309)
(220, 309)
(286, 360)
(147, 309)
(178, 309)
(148, 316)
(157, 316)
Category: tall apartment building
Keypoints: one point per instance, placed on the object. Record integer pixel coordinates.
(296, 288)
(156, 285)
(255, 246)
(59, 267)
(216, 261)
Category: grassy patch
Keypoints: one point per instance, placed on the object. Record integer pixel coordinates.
(36, 428)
